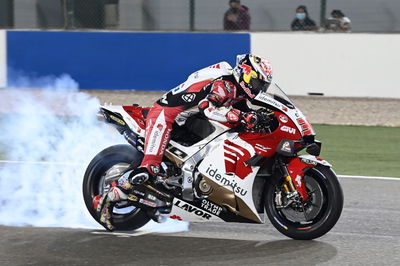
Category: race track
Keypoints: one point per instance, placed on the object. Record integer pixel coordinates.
(368, 233)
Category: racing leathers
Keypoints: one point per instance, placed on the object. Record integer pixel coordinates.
(212, 91)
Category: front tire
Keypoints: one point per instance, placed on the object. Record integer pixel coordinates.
(318, 215)
(117, 157)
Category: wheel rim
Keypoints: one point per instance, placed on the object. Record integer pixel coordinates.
(114, 173)
(306, 213)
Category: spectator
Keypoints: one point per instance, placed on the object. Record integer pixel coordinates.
(303, 22)
(237, 17)
(338, 22)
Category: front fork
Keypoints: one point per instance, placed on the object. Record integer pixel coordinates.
(294, 187)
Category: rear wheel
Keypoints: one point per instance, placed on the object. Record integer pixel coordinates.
(108, 166)
(310, 219)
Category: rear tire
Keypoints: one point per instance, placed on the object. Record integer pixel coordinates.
(325, 210)
(94, 184)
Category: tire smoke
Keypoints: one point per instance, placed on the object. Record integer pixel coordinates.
(48, 137)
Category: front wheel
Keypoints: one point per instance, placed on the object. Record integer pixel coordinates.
(310, 219)
(106, 168)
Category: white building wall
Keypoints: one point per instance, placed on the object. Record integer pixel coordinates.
(361, 65)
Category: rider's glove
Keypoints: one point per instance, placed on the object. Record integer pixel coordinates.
(249, 119)
(104, 205)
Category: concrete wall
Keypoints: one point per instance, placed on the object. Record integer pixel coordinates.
(363, 65)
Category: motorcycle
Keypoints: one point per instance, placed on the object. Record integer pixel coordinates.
(219, 172)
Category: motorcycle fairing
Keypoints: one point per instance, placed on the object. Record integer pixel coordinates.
(238, 184)
(133, 124)
(295, 115)
(191, 212)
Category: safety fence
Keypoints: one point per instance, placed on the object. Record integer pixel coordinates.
(203, 15)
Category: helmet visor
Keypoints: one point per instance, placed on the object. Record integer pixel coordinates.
(259, 85)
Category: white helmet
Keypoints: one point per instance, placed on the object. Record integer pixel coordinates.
(253, 74)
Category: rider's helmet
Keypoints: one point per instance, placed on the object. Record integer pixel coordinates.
(253, 74)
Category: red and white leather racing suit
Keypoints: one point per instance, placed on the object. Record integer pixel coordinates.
(212, 90)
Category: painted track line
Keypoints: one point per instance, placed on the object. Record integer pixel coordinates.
(370, 177)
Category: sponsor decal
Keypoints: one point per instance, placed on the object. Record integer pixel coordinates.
(247, 90)
(288, 129)
(164, 142)
(138, 192)
(215, 173)
(211, 207)
(283, 118)
(286, 147)
(270, 101)
(156, 134)
(160, 127)
(132, 197)
(232, 116)
(235, 158)
(229, 86)
(164, 99)
(192, 209)
(246, 69)
(215, 66)
(306, 127)
(177, 152)
(298, 180)
(262, 147)
(178, 89)
(155, 169)
(307, 161)
(118, 120)
(151, 197)
(189, 97)
(148, 203)
(284, 108)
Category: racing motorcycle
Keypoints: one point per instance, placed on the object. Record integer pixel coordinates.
(218, 172)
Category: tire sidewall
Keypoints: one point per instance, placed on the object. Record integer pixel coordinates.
(331, 210)
(103, 161)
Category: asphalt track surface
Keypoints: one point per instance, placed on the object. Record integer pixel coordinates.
(368, 233)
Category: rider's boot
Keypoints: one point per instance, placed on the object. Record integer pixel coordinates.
(140, 175)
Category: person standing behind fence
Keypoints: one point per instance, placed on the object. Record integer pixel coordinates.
(302, 21)
(338, 22)
(237, 17)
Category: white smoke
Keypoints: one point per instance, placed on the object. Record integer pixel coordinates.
(48, 137)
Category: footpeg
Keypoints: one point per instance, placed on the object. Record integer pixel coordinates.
(139, 179)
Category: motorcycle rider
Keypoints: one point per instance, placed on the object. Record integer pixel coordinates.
(214, 91)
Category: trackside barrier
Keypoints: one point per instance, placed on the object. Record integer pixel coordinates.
(3, 59)
(121, 60)
(348, 65)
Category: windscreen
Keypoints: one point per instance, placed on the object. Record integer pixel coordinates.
(276, 93)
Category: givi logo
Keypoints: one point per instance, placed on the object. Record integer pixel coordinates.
(235, 158)
(288, 129)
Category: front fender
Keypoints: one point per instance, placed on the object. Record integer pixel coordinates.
(297, 166)
(310, 159)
